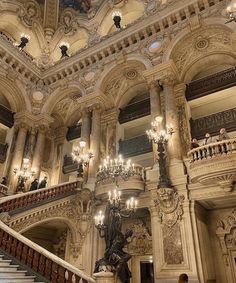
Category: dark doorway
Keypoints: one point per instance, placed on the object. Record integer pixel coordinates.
(147, 273)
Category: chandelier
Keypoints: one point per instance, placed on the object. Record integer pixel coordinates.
(117, 16)
(114, 168)
(231, 11)
(156, 134)
(24, 173)
(80, 154)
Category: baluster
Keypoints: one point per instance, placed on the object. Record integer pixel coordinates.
(30, 257)
(61, 274)
(5, 241)
(35, 263)
(48, 269)
(13, 247)
(19, 250)
(229, 147)
(42, 263)
(54, 274)
(24, 254)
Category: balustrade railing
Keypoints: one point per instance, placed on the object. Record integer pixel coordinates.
(212, 150)
(38, 259)
(3, 189)
(30, 198)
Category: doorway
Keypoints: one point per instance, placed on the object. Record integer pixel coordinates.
(147, 272)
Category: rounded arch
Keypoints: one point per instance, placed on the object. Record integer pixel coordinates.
(64, 220)
(60, 93)
(199, 66)
(201, 45)
(15, 95)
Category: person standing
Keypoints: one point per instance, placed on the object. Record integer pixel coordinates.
(207, 139)
(223, 135)
(43, 183)
(194, 143)
(34, 185)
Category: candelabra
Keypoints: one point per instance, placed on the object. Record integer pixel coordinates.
(231, 11)
(23, 41)
(115, 168)
(109, 226)
(117, 16)
(81, 155)
(160, 137)
(64, 46)
(23, 175)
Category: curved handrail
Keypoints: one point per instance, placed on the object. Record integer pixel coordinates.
(35, 257)
(13, 202)
(212, 150)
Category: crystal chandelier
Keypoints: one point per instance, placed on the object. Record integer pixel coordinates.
(112, 169)
(25, 173)
(231, 11)
(80, 154)
(156, 134)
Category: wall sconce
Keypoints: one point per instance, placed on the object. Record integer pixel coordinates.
(24, 39)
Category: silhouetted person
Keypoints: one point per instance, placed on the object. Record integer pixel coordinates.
(43, 183)
(183, 278)
(4, 181)
(21, 185)
(194, 144)
(223, 135)
(34, 185)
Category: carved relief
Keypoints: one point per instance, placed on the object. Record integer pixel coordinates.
(173, 251)
(69, 22)
(141, 241)
(30, 13)
(170, 206)
(198, 43)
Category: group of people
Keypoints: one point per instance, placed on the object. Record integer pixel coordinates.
(36, 185)
(223, 135)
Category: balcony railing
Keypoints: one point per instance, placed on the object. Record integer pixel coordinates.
(212, 150)
(212, 83)
(214, 164)
(26, 200)
(135, 111)
(135, 146)
(212, 123)
(74, 132)
(6, 116)
(3, 152)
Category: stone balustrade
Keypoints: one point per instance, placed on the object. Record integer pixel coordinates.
(24, 201)
(214, 164)
(30, 254)
(130, 187)
(38, 259)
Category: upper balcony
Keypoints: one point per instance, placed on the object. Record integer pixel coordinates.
(214, 164)
(133, 186)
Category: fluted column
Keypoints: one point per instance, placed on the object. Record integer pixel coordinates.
(95, 141)
(86, 126)
(171, 117)
(39, 150)
(18, 152)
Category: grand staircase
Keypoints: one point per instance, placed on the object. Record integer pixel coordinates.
(21, 260)
(11, 273)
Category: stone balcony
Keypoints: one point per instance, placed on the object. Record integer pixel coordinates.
(133, 186)
(214, 164)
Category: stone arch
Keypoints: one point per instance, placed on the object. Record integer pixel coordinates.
(15, 95)
(191, 47)
(71, 92)
(66, 221)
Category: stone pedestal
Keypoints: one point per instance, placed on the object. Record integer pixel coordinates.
(104, 277)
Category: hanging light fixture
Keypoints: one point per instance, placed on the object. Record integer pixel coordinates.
(117, 16)
(24, 40)
(231, 11)
(64, 46)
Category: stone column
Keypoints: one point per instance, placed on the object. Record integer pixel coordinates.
(18, 153)
(86, 126)
(155, 99)
(183, 116)
(39, 150)
(95, 141)
(171, 118)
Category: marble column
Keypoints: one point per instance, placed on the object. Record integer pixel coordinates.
(95, 141)
(86, 127)
(171, 118)
(155, 99)
(18, 153)
(38, 151)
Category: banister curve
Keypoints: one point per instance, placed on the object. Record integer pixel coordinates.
(35, 257)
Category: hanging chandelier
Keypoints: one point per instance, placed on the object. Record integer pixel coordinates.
(231, 11)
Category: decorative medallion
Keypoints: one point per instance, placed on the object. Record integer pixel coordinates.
(131, 74)
(201, 43)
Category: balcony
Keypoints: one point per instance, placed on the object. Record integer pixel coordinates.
(131, 187)
(6, 116)
(134, 111)
(135, 146)
(74, 132)
(214, 164)
(69, 165)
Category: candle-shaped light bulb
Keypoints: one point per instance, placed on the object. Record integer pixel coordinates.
(135, 204)
(109, 195)
(127, 204)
